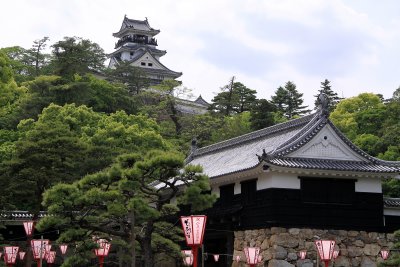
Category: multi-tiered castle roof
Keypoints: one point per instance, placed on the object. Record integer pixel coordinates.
(136, 44)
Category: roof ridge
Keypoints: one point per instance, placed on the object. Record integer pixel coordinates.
(305, 134)
(255, 135)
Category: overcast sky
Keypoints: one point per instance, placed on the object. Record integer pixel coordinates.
(264, 43)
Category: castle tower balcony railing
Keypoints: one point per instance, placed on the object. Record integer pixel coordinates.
(19, 215)
(136, 39)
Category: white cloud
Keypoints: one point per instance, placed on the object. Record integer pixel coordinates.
(263, 43)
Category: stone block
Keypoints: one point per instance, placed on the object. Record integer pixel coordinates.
(355, 262)
(292, 256)
(265, 244)
(279, 263)
(353, 233)
(342, 261)
(353, 251)
(276, 252)
(371, 249)
(367, 262)
(294, 231)
(277, 230)
(284, 240)
(306, 234)
(358, 243)
(304, 263)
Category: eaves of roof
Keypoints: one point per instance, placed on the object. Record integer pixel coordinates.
(327, 164)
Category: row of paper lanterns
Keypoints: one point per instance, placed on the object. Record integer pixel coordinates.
(194, 227)
(188, 256)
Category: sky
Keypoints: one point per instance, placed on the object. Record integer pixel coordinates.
(263, 43)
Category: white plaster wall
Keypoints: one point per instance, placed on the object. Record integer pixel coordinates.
(391, 211)
(278, 180)
(237, 189)
(125, 55)
(330, 148)
(369, 185)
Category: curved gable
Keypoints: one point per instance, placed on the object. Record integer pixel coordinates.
(326, 144)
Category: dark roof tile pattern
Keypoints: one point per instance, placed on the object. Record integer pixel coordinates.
(338, 165)
(391, 202)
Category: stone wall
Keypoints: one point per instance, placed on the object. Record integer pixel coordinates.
(280, 246)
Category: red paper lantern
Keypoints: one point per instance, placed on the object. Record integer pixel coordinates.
(193, 228)
(325, 250)
(50, 257)
(29, 226)
(237, 258)
(216, 257)
(21, 255)
(252, 255)
(385, 254)
(63, 248)
(187, 257)
(303, 254)
(335, 254)
(102, 251)
(10, 255)
(39, 247)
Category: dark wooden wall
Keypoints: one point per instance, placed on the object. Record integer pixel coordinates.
(331, 204)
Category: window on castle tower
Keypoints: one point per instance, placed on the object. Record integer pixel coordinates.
(150, 64)
(143, 63)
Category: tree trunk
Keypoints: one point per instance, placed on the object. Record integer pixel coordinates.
(174, 116)
(146, 245)
(229, 105)
(133, 239)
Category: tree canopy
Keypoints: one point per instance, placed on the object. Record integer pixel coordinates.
(289, 101)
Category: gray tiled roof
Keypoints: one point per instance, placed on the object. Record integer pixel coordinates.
(240, 153)
(137, 24)
(274, 142)
(140, 47)
(339, 165)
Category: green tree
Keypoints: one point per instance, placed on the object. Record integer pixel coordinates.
(262, 115)
(224, 101)
(331, 96)
(132, 77)
(47, 154)
(11, 95)
(232, 126)
(87, 90)
(162, 103)
(75, 55)
(129, 202)
(200, 127)
(27, 63)
(40, 59)
(21, 62)
(234, 97)
(67, 142)
(289, 101)
(362, 114)
(246, 97)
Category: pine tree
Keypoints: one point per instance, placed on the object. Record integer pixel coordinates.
(332, 97)
(289, 101)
